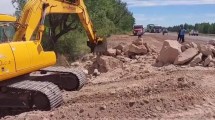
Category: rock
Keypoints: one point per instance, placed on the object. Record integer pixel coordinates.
(188, 46)
(213, 50)
(186, 56)
(75, 64)
(118, 52)
(122, 46)
(123, 59)
(182, 82)
(131, 104)
(89, 62)
(158, 108)
(141, 49)
(212, 42)
(96, 72)
(213, 60)
(206, 50)
(196, 60)
(170, 50)
(87, 57)
(81, 111)
(102, 107)
(159, 64)
(194, 45)
(208, 60)
(183, 48)
(138, 42)
(111, 52)
(112, 91)
(149, 49)
(105, 63)
(85, 71)
(211, 64)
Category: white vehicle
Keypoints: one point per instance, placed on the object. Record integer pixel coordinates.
(194, 33)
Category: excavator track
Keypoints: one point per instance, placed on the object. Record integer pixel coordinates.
(51, 91)
(64, 76)
(29, 95)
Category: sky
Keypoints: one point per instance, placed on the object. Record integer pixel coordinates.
(172, 12)
(160, 12)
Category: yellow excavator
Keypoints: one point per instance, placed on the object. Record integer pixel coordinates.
(27, 80)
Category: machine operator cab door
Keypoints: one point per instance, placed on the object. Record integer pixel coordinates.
(7, 62)
(14, 56)
(20, 57)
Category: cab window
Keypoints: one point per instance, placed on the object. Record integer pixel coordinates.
(6, 32)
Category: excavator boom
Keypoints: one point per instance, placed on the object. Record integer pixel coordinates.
(35, 11)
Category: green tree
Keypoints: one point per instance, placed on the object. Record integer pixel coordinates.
(68, 35)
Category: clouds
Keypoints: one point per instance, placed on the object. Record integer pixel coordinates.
(148, 3)
(142, 18)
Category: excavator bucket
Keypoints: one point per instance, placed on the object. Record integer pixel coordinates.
(99, 48)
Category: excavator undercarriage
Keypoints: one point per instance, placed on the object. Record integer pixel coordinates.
(39, 90)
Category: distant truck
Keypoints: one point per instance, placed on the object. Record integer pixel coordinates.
(164, 31)
(150, 28)
(194, 33)
(157, 29)
(138, 30)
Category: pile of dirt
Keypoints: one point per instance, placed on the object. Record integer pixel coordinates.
(117, 57)
(137, 47)
(189, 54)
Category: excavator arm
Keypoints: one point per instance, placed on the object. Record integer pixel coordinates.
(35, 11)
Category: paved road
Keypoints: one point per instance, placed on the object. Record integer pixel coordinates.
(173, 36)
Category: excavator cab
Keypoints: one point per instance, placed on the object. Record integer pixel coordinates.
(7, 28)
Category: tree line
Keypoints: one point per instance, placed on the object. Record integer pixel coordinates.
(206, 28)
(69, 37)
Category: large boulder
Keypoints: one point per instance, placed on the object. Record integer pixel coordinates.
(212, 42)
(213, 50)
(196, 60)
(188, 45)
(183, 48)
(186, 56)
(206, 49)
(138, 42)
(208, 60)
(170, 50)
(111, 52)
(122, 46)
(194, 45)
(118, 52)
(141, 49)
(105, 64)
(211, 64)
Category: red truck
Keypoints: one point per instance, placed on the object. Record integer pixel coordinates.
(138, 30)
